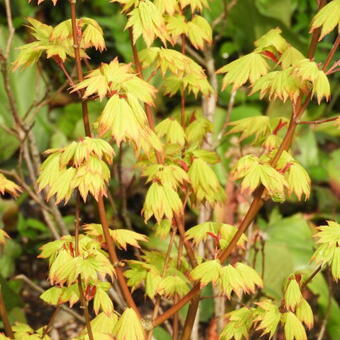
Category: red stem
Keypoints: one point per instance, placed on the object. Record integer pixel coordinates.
(101, 207)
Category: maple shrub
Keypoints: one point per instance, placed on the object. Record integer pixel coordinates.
(166, 274)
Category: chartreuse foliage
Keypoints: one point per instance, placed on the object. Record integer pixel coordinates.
(290, 76)
(81, 165)
(56, 42)
(8, 186)
(328, 249)
(178, 170)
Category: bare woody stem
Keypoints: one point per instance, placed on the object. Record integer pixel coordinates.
(4, 316)
(114, 258)
(101, 206)
(166, 262)
(331, 53)
(315, 35)
(76, 44)
(83, 301)
(139, 69)
(317, 122)
(183, 118)
(257, 202)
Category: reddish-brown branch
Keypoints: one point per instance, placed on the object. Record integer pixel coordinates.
(76, 44)
(315, 36)
(331, 53)
(179, 220)
(183, 118)
(4, 316)
(311, 277)
(101, 206)
(114, 258)
(139, 69)
(83, 301)
(318, 122)
(253, 210)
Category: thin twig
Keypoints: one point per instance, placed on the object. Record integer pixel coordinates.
(165, 267)
(40, 290)
(11, 29)
(4, 316)
(51, 322)
(318, 122)
(331, 53)
(328, 309)
(83, 301)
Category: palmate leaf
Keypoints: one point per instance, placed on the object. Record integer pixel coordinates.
(272, 41)
(24, 331)
(104, 323)
(174, 285)
(280, 85)
(197, 30)
(309, 70)
(129, 326)
(52, 295)
(60, 295)
(290, 57)
(238, 325)
(167, 6)
(121, 237)
(299, 181)
(176, 25)
(239, 278)
(250, 67)
(292, 295)
(51, 249)
(207, 272)
(161, 201)
(224, 233)
(185, 73)
(293, 327)
(92, 34)
(30, 53)
(125, 120)
(103, 302)
(268, 317)
(81, 165)
(327, 18)
(146, 20)
(116, 77)
(191, 83)
(204, 182)
(170, 60)
(70, 294)
(328, 250)
(305, 314)
(297, 177)
(254, 173)
(171, 175)
(8, 186)
(152, 282)
(196, 130)
(171, 130)
(258, 126)
(136, 274)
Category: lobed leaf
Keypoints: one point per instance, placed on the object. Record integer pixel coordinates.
(250, 67)
(129, 326)
(327, 18)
